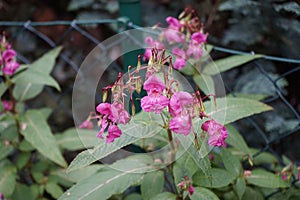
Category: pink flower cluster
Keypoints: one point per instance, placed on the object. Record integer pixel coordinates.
(180, 105)
(8, 58)
(111, 115)
(186, 184)
(178, 108)
(186, 32)
(216, 131)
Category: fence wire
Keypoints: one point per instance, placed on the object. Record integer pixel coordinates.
(70, 33)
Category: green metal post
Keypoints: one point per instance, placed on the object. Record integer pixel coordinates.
(131, 9)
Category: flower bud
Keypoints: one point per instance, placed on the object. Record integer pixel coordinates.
(138, 86)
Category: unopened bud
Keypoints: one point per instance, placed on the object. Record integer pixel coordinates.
(132, 108)
(138, 86)
(247, 173)
(250, 160)
(138, 67)
(104, 95)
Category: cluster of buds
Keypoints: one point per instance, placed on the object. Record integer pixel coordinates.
(186, 185)
(288, 172)
(8, 62)
(187, 33)
(177, 108)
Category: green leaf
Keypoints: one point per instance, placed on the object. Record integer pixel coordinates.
(203, 194)
(46, 112)
(266, 179)
(228, 63)
(25, 146)
(3, 88)
(36, 76)
(184, 166)
(143, 125)
(75, 139)
(54, 190)
(37, 132)
(133, 196)
(263, 157)
(236, 140)
(5, 150)
(257, 97)
(231, 163)
(152, 184)
(23, 158)
(220, 178)
(77, 175)
(251, 194)
(116, 179)
(25, 192)
(47, 62)
(240, 187)
(7, 178)
(6, 120)
(199, 156)
(188, 69)
(164, 196)
(232, 109)
(205, 83)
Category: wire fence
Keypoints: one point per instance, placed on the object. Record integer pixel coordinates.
(78, 37)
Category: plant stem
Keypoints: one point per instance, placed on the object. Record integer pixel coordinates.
(10, 87)
(170, 137)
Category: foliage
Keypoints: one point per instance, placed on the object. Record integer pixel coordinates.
(29, 149)
(173, 165)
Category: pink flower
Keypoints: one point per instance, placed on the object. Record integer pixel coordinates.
(120, 115)
(104, 108)
(199, 37)
(152, 43)
(154, 103)
(173, 36)
(104, 124)
(186, 184)
(181, 185)
(180, 60)
(8, 105)
(216, 131)
(174, 23)
(180, 103)
(10, 68)
(87, 125)
(113, 133)
(9, 55)
(111, 114)
(154, 85)
(179, 63)
(211, 157)
(8, 59)
(195, 50)
(2, 196)
(191, 190)
(284, 177)
(181, 124)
